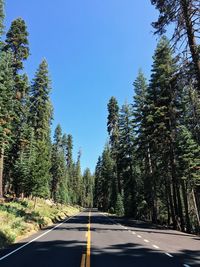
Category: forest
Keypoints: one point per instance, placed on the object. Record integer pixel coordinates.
(150, 168)
(31, 164)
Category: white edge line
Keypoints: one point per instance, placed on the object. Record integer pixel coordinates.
(186, 265)
(12, 252)
(168, 254)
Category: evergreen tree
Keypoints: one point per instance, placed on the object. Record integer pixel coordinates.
(113, 131)
(161, 130)
(69, 150)
(98, 184)
(119, 208)
(113, 124)
(2, 16)
(40, 105)
(19, 151)
(58, 163)
(6, 108)
(40, 119)
(143, 156)
(104, 181)
(184, 14)
(17, 42)
(125, 159)
(88, 182)
(188, 168)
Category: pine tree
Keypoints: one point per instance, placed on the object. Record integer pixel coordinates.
(40, 119)
(126, 166)
(58, 162)
(77, 181)
(2, 16)
(113, 123)
(161, 129)
(69, 150)
(88, 183)
(106, 180)
(188, 167)
(113, 131)
(17, 42)
(98, 184)
(19, 151)
(184, 14)
(143, 156)
(6, 108)
(119, 208)
(40, 105)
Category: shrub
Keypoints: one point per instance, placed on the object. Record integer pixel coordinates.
(119, 207)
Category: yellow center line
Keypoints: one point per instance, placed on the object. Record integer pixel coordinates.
(88, 243)
(83, 260)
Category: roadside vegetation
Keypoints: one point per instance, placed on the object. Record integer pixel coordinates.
(33, 165)
(33, 161)
(21, 218)
(150, 168)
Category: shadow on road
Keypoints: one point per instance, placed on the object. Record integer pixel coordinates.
(65, 249)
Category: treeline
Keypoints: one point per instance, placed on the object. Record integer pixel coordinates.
(30, 164)
(150, 169)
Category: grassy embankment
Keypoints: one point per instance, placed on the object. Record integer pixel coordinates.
(22, 218)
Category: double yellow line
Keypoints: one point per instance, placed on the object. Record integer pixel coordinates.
(85, 261)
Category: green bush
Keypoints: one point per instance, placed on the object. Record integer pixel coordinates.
(20, 217)
(7, 237)
(119, 207)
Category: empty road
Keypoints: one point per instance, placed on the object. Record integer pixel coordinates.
(91, 239)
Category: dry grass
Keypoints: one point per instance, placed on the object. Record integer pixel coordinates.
(21, 218)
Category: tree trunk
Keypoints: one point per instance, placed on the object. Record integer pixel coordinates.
(35, 202)
(180, 207)
(153, 188)
(185, 200)
(1, 170)
(195, 207)
(172, 206)
(176, 189)
(191, 38)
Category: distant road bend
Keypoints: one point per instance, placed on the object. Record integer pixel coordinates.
(91, 239)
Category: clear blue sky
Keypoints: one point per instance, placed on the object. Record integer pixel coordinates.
(94, 49)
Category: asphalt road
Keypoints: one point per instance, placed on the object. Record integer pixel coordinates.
(91, 239)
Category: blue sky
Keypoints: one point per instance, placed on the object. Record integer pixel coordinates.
(94, 49)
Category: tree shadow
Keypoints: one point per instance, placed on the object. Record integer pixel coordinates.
(129, 254)
(142, 226)
(42, 253)
(65, 249)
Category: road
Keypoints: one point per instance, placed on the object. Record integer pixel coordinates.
(91, 239)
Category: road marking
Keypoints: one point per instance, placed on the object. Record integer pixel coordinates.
(155, 246)
(83, 260)
(133, 233)
(45, 233)
(88, 243)
(145, 240)
(185, 265)
(125, 228)
(139, 236)
(169, 255)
